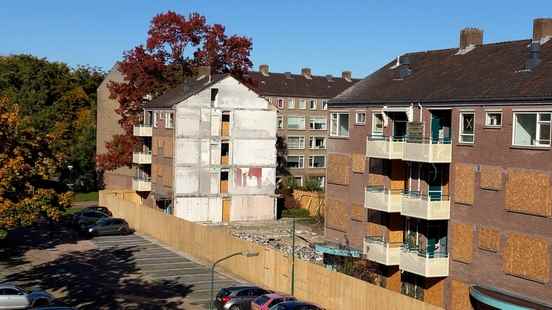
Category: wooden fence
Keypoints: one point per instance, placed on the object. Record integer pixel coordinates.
(270, 269)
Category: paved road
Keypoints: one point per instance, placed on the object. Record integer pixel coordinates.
(161, 264)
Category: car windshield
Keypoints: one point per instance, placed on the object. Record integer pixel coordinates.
(223, 293)
(103, 222)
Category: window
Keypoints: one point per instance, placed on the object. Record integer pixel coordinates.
(317, 161)
(360, 118)
(339, 125)
(467, 127)
(296, 122)
(169, 120)
(301, 104)
(296, 142)
(291, 103)
(312, 104)
(317, 123)
(148, 115)
(532, 128)
(317, 142)
(295, 161)
(156, 118)
(280, 122)
(493, 119)
(377, 124)
(280, 103)
(320, 180)
(324, 104)
(298, 180)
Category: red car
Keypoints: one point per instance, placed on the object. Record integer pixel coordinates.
(264, 302)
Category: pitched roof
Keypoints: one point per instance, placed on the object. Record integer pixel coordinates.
(490, 72)
(295, 85)
(183, 91)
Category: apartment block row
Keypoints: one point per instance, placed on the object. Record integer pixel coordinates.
(439, 173)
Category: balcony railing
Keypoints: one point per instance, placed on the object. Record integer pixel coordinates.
(382, 199)
(142, 157)
(384, 147)
(142, 130)
(419, 150)
(423, 262)
(141, 184)
(378, 250)
(431, 207)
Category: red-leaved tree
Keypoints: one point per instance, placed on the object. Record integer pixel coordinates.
(175, 47)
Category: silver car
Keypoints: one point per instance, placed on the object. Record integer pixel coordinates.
(110, 226)
(13, 297)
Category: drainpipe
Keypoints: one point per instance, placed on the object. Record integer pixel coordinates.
(420, 106)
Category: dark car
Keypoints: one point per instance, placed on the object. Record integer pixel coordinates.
(100, 209)
(295, 305)
(86, 218)
(109, 226)
(237, 297)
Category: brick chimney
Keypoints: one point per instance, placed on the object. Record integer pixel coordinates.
(347, 75)
(264, 70)
(306, 72)
(470, 37)
(542, 29)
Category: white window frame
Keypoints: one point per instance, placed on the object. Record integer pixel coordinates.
(169, 120)
(487, 119)
(280, 122)
(311, 143)
(291, 103)
(295, 116)
(301, 160)
(323, 180)
(538, 128)
(300, 177)
(301, 145)
(357, 121)
(301, 104)
(334, 129)
(312, 118)
(311, 161)
(374, 133)
(280, 103)
(156, 116)
(312, 104)
(324, 104)
(461, 128)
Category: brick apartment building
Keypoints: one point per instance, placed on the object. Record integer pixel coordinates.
(439, 172)
(301, 100)
(207, 151)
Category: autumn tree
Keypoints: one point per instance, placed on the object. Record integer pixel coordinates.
(29, 160)
(176, 46)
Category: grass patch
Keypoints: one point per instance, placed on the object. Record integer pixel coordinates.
(92, 196)
(295, 213)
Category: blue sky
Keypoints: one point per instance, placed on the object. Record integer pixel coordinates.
(327, 36)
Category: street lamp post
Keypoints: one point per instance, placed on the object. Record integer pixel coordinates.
(244, 253)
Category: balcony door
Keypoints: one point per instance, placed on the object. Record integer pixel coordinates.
(435, 188)
(398, 175)
(440, 126)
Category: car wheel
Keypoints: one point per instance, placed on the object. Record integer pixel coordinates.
(40, 303)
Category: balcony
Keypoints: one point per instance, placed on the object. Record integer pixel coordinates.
(142, 131)
(381, 199)
(384, 147)
(424, 264)
(143, 158)
(141, 184)
(434, 207)
(428, 151)
(379, 251)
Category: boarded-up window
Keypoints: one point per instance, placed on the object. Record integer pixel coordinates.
(359, 163)
(491, 177)
(528, 192)
(339, 169)
(464, 183)
(337, 217)
(462, 246)
(527, 257)
(489, 239)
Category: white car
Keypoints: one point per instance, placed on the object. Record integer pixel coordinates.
(13, 297)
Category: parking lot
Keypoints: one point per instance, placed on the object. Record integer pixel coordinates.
(108, 272)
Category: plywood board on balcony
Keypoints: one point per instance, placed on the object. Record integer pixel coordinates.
(489, 239)
(528, 191)
(527, 257)
(359, 163)
(491, 177)
(462, 242)
(464, 183)
(339, 169)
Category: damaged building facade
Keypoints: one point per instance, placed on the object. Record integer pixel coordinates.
(446, 187)
(207, 152)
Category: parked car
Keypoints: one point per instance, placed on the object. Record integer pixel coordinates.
(13, 297)
(54, 308)
(110, 226)
(295, 305)
(237, 297)
(100, 209)
(264, 302)
(84, 219)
